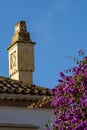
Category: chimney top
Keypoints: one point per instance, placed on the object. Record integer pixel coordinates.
(20, 33)
(21, 27)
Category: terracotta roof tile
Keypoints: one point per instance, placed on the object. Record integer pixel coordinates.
(13, 87)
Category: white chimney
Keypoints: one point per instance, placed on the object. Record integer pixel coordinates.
(21, 54)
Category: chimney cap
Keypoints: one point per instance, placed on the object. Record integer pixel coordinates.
(21, 27)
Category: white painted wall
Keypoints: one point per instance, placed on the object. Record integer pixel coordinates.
(38, 117)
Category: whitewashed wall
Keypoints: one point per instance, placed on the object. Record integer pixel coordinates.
(38, 117)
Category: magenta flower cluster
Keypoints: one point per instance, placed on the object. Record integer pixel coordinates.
(70, 100)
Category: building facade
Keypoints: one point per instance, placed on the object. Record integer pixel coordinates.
(23, 105)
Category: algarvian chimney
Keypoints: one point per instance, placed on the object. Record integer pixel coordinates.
(21, 54)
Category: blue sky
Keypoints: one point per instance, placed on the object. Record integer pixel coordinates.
(59, 27)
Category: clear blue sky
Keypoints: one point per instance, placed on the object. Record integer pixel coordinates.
(59, 27)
